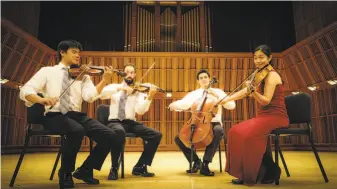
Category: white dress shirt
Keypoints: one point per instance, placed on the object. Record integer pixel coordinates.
(48, 81)
(135, 103)
(188, 100)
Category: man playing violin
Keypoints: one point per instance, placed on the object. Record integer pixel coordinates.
(203, 78)
(64, 114)
(126, 101)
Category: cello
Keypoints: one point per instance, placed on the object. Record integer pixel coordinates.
(197, 132)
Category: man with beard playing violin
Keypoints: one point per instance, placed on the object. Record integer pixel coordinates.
(64, 114)
(203, 78)
(125, 103)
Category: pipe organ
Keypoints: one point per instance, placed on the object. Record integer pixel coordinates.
(152, 26)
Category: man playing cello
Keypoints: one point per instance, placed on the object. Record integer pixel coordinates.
(203, 78)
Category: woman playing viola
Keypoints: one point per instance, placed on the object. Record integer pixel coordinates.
(247, 159)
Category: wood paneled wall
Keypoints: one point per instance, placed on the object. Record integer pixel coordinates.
(22, 55)
(175, 72)
(312, 61)
(324, 116)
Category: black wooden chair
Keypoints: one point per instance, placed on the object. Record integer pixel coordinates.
(35, 116)
(59, 155)
(102, 115)
(299, 111)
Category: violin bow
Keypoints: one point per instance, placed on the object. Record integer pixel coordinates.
(81, 73)
(144, 75)
(251, 77)
(65, 90)
(193, 111)
(146, 72)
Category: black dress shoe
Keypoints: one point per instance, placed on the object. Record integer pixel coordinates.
(205, 170)
(85, 175)
(271, 176)
(141, 171)
(196, 166)
(113, 175)
(65, 179)
(267, 181)
(237, 181)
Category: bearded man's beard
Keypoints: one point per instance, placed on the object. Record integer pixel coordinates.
(128, 81)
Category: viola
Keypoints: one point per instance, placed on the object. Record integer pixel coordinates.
(255, 79)
(76, 71)
(144, 88)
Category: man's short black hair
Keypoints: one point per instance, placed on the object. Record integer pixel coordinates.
(67, 44)
(202, 71)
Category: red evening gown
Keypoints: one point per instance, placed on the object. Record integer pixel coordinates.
(247, 140)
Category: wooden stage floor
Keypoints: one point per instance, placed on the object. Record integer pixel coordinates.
(170, 172)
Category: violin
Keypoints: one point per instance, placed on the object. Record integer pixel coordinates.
(255, 79)
(198, 131)
(75, 70)
(144, 88)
